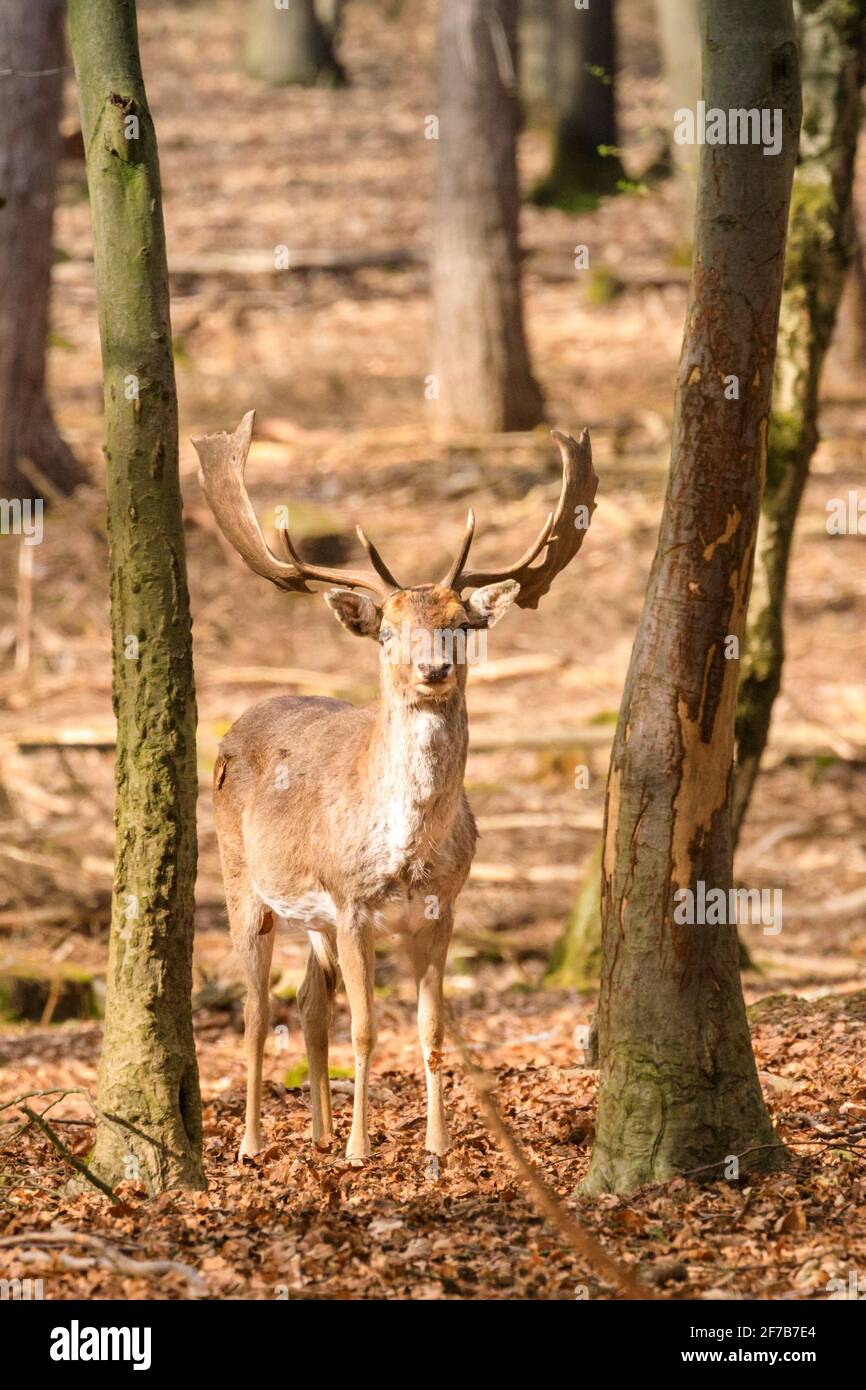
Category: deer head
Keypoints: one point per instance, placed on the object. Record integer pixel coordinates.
(421, 629)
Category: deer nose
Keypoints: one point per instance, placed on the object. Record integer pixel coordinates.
(435, 675)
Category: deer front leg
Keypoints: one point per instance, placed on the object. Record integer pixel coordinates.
(429, 952)
(355, 953)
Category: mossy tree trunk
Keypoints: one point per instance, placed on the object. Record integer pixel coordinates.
(679, 1087)
(821, 243)
(482, 369)
(31, 93)
(289, 45)
(148, 1077)
(585, 161)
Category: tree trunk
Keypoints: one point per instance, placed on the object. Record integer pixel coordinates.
(680, 44)
(148, 1077)
(482, 362)
(821, 243)
(575, 962)
(290, 46)
(586, 160)
(679, 1087)
(538, 50)
(32, 47)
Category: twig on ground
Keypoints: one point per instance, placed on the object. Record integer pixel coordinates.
(58, 1144)
(542, 1194)
(103, 1254)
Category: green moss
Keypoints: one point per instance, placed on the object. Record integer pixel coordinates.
(295, 1077)
(602, 286)
(784, 447)
(575, 961)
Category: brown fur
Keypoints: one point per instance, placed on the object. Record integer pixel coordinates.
(357, 818)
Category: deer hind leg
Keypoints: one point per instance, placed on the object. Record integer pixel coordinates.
(429, 951)
(252, 929)
(355, 951)
(316, 1000)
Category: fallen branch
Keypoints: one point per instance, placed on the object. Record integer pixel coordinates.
(104, 1254)
(542, 1194)
(58, 1144)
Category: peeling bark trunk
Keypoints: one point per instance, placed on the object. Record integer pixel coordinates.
(148, 1077)
(31, 41)
(679, 1087)
(821, 243)
(586, 124)
(482, 361)
(292, 46)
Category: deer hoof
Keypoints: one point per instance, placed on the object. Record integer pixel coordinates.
(249, 1148)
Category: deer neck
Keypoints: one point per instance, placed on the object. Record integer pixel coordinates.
(415, 776)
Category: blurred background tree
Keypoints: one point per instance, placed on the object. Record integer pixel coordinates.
(32, 62)
(822, 243)
(482, 368)
(586, 159)
(293, 42)
(680, 46)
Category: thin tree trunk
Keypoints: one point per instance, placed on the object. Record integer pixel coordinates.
(32, 49)
(575, 962)
(148, 1076)
(538, 52)
(482, 361)
(679, 1087)
(586, 160)
(821, 242)
(849, 338)
(290, 46)
(680, 45)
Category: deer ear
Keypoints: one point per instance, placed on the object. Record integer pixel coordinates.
(356, 612)
(486, 606)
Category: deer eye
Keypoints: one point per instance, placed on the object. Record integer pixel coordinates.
(385, 634)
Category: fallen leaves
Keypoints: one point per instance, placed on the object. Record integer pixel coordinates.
(299, 1223)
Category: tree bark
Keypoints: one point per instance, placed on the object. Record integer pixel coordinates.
(482, 361)
(821, 243)
(148, 1076)
(291, 46)
(586, 160)
(679, 1087)
(32, 47)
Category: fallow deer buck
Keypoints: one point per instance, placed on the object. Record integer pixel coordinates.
(336, 819)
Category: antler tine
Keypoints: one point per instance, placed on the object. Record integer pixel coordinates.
(348, 579)
(376, 560)
(223, 459)
(452, 577)
(562, 533)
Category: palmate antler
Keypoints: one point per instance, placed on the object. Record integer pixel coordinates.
(562, 533)
(223, 459)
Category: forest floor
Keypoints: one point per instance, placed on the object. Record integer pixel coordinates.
(335, 363)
